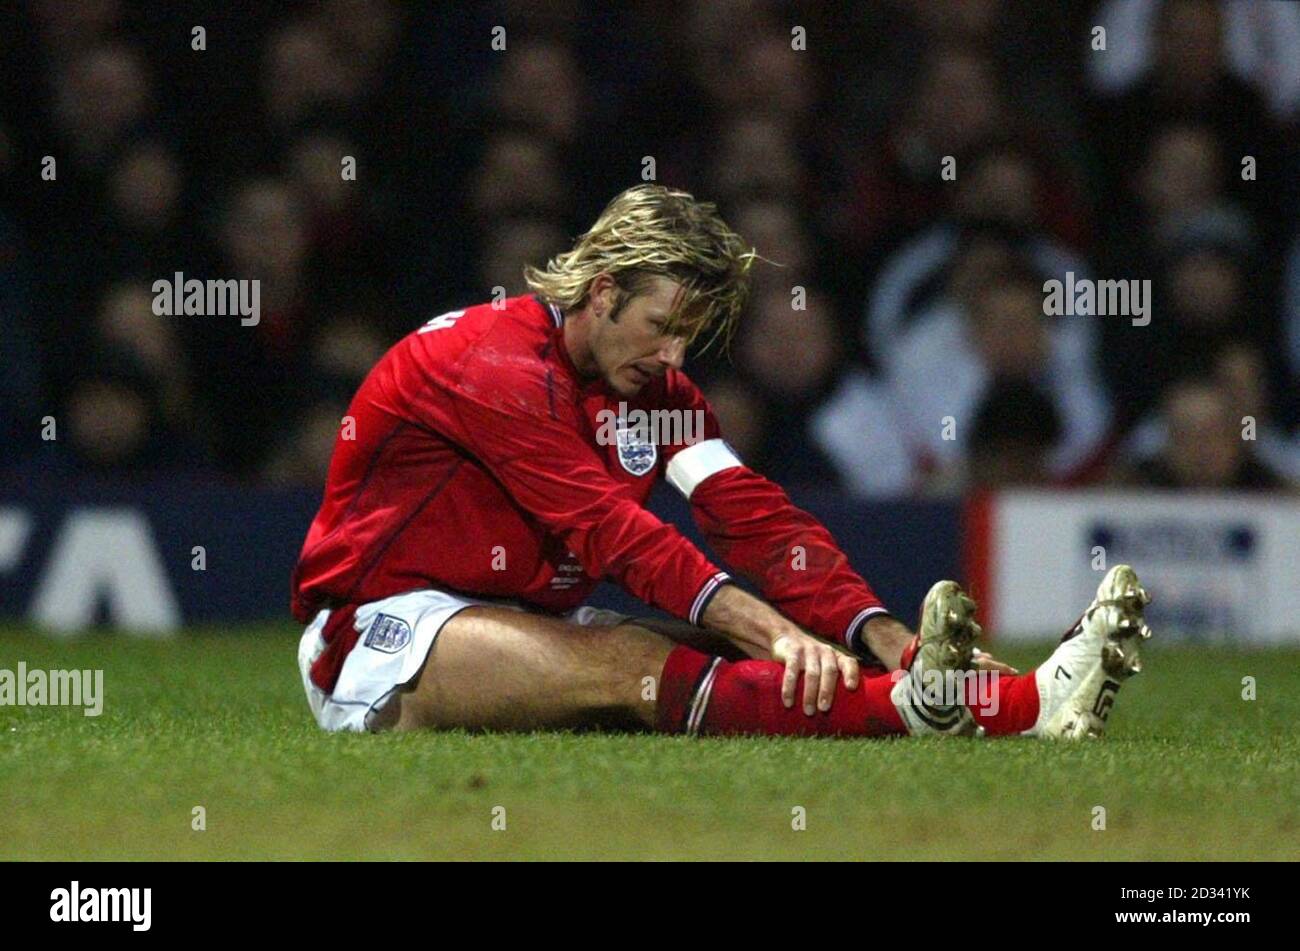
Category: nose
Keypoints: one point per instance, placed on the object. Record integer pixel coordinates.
(673, 353)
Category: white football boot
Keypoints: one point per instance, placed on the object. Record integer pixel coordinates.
(928, 695)
(1078, 683)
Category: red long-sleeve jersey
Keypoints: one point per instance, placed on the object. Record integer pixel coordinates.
(474, 458)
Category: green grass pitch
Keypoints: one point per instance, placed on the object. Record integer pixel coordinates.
(1189, 770)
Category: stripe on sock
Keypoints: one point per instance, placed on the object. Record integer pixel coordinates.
(700, 700)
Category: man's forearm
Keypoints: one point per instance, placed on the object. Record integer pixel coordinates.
(886, 637)
(745, 620)
(753, 624)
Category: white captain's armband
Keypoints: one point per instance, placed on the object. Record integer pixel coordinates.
(696, 463)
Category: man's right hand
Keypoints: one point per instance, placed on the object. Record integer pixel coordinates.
(822, 666)
(761, 631)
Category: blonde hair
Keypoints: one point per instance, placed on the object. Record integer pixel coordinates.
(653, 230)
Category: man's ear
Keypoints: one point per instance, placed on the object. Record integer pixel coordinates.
(606, 299)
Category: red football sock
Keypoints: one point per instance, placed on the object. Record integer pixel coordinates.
(699, 693)
(1012, 705)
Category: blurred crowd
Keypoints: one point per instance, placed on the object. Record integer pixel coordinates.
(898, 345)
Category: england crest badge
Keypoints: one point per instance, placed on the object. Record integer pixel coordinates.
(388, 634)
(637, 452)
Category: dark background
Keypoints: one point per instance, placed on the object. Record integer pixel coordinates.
(224, 163)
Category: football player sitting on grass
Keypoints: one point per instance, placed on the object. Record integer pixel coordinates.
(494, 467)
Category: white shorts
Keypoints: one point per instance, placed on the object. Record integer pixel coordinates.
(395, 636)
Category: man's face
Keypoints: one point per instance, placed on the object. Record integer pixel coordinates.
(633, 349)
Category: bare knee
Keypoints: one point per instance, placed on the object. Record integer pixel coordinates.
(617, 672)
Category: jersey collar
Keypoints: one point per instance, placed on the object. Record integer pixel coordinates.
(556, 314)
